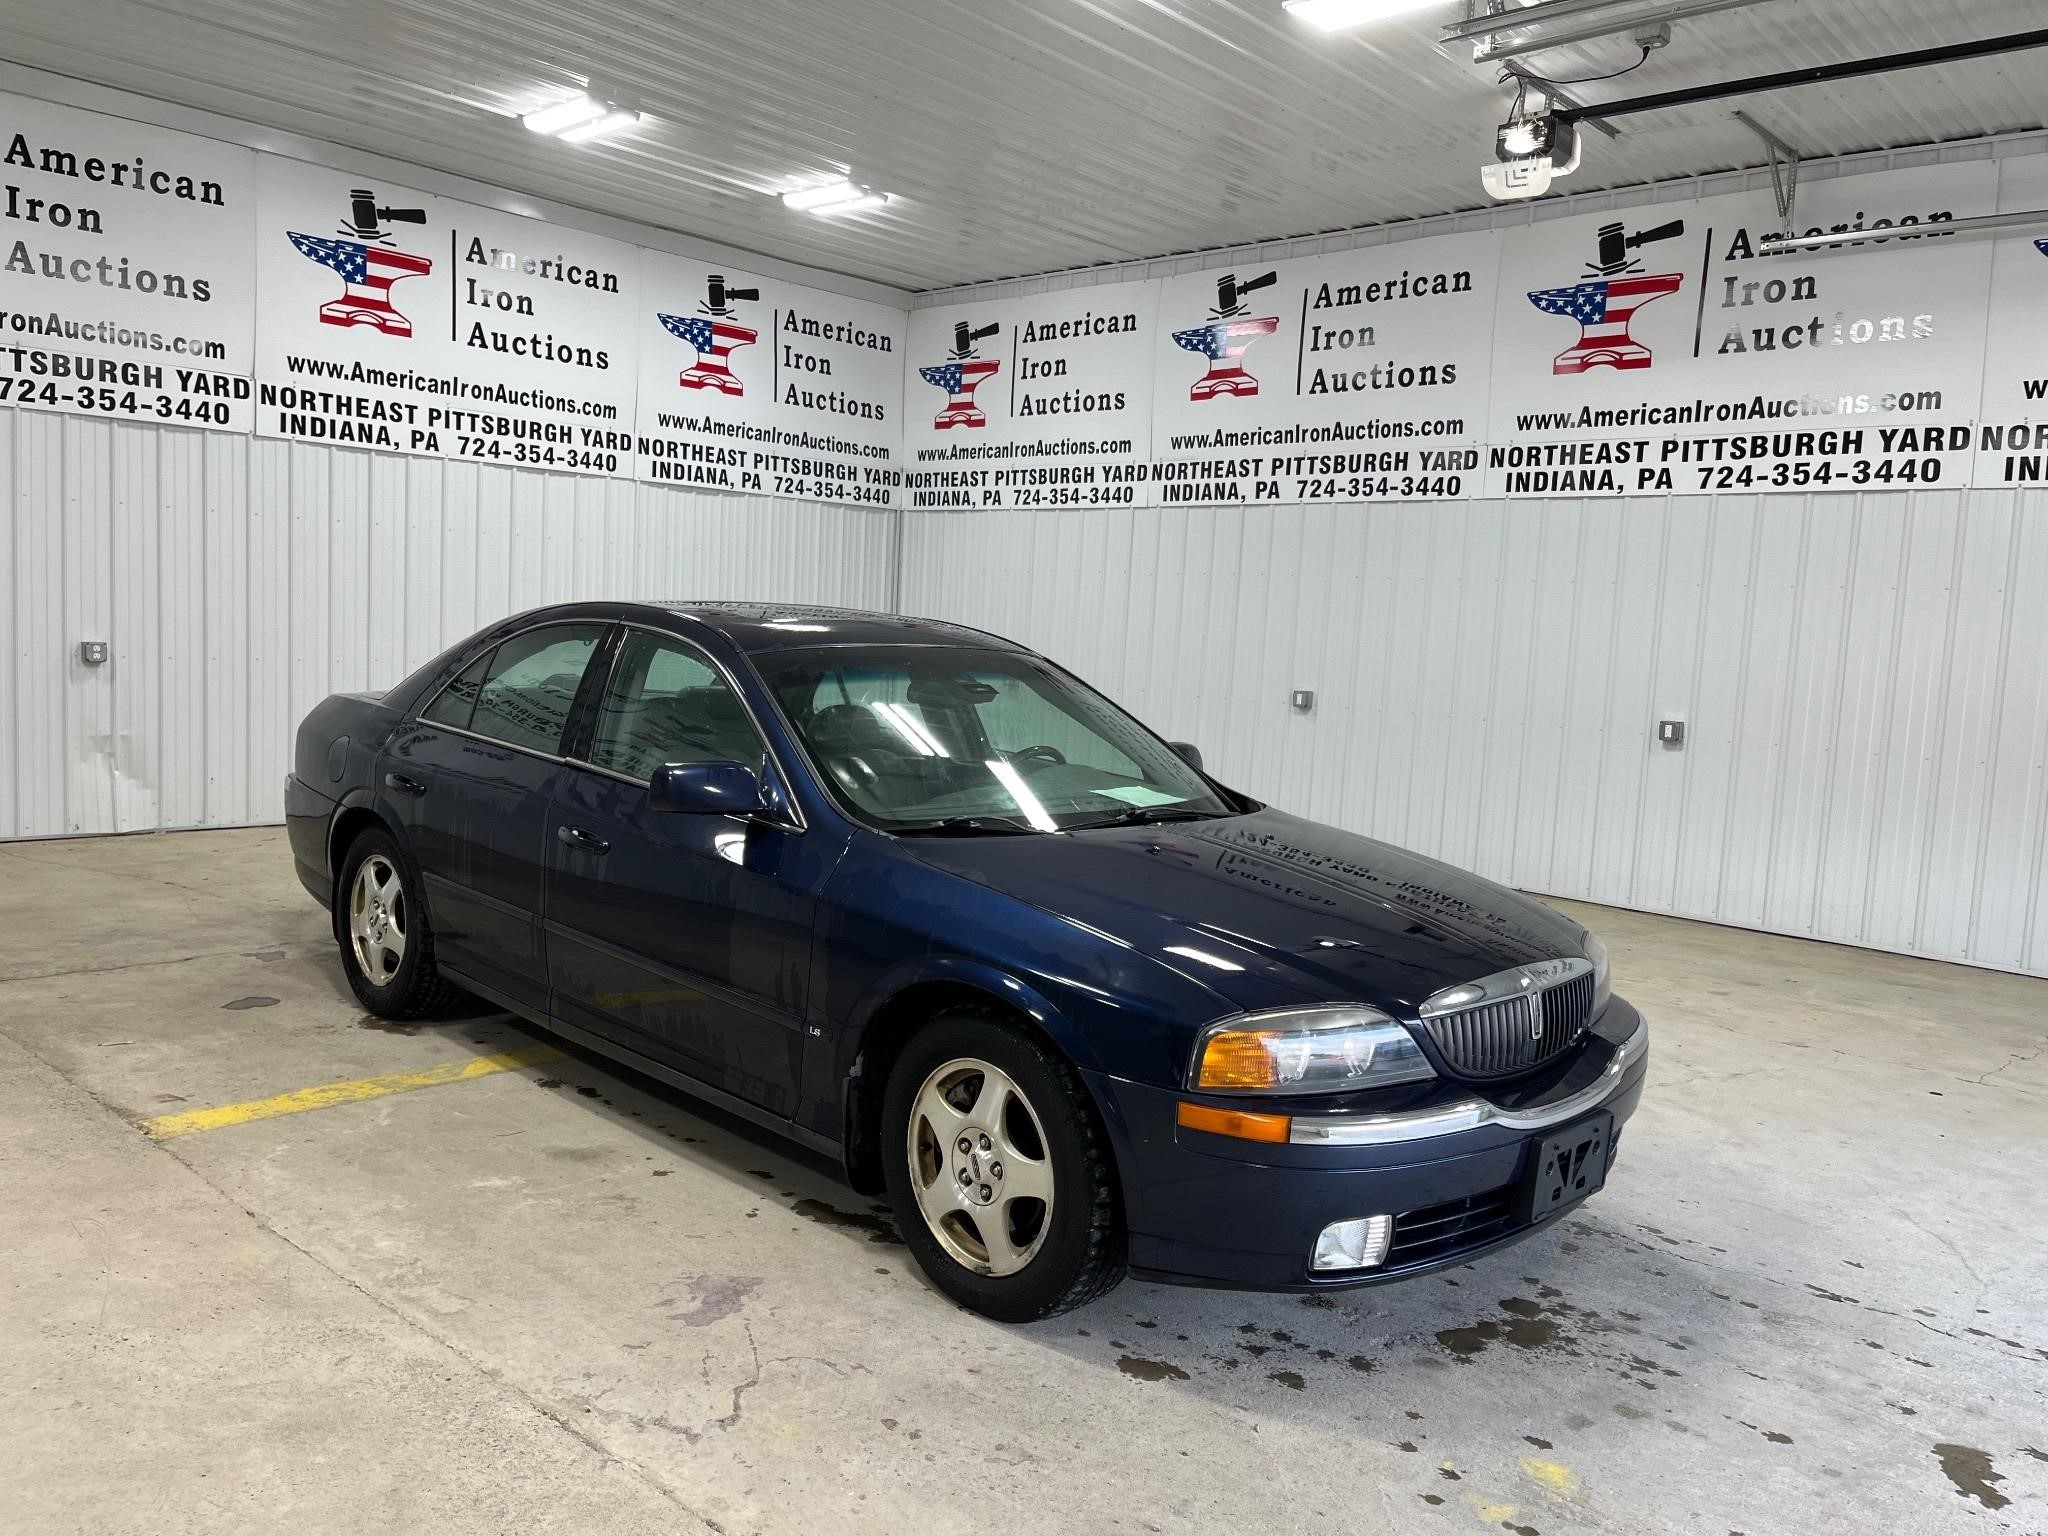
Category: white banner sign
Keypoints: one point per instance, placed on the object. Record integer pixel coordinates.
(2012, 438)
(127, 286)
(1664, 350)
(749, 384)
(1353, 377)
(1041, 402)
(396, 320)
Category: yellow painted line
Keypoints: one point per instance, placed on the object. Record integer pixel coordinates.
(327, 1095)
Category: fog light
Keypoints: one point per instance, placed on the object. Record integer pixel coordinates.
(1359, 1244)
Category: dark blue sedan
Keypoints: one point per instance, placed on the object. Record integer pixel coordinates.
(919, 898)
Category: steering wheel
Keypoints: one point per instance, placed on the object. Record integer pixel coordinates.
(1040, 753)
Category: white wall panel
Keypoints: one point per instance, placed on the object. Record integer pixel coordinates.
(240, 580)
(1865, 681)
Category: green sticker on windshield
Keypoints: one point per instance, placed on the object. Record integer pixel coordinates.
(1139, 794)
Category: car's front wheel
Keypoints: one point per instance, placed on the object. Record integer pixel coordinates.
(999, 1172)
(387, 948)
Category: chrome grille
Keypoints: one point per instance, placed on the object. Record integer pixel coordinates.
(1512, 1022)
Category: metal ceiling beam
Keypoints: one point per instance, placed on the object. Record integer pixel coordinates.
(1603, 18)
(2013, 42)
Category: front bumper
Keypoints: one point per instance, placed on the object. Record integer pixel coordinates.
(1210, 1209)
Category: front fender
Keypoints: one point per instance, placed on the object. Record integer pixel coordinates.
(982, 976)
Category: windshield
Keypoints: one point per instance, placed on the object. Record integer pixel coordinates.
(953, 738)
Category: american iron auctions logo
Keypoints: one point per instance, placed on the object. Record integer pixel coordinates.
(367, 264)
(715, 337)
(1608, 299)
(961, 375)
(1224, 339)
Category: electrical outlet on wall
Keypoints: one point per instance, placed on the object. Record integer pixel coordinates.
(1671, 734)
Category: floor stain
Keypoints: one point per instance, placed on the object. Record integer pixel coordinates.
(1287, 1379)
(2025, 1450)
(714, 1298)
(880, 1229)
(1139, 1367)
(1970, 1470)
(251, 1002)
(1554, 1476)
(1540, 1443)
(1360, 1363)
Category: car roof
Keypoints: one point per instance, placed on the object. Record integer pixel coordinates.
(782, 626)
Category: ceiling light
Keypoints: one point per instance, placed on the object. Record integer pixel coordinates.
(841, 196)
(611, 122)
(1336, 15)
(864, 201)
(564, 114)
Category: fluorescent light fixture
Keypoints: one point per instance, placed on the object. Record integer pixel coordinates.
(865, 201)
(804, 199)
(611, 122)
(564, 114)
(840, 196)
(1337, 15)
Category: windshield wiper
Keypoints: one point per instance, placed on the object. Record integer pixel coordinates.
(967, 826)
(1139, 815)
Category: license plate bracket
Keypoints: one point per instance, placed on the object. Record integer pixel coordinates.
(1568, 1165)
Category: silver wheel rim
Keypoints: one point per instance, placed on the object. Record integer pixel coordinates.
(979, 1167)
(378, 919)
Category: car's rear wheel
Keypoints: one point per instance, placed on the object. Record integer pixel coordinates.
(387, 947)
(999, 1171)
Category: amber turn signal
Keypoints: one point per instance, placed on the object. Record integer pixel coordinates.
(1237, 1059)
(1234, 1122)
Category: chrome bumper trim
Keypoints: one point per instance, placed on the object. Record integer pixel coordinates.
(1384, 1130)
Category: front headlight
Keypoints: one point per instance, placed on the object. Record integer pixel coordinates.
(1306, 1050)
(1603, 985)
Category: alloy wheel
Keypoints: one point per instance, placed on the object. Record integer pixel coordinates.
(377, 919)
(979, 1167)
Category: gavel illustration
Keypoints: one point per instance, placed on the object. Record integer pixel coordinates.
(1230, 292)
(964, 338)
(1615, 246)
(366, 218)
(716, 303)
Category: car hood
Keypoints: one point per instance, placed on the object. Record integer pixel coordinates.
(1269, 910)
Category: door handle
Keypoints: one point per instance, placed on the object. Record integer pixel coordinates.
(576, 837)
(404, 785)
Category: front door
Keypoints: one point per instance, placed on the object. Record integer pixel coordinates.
(470, 780)
(686, 937)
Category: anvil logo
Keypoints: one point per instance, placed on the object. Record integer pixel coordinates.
(367, 264)
(961, 374)
(1229, 332)
(1608, 299)
(715, 337)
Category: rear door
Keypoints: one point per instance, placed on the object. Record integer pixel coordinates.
(686, 937)
(471, 778)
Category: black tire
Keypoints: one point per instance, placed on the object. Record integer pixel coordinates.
(414, 987)
(1080, 1248)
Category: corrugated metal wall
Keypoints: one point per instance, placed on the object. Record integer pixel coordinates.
(240, 580)
(1864, 678)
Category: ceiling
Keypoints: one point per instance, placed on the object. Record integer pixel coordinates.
(1018, 136)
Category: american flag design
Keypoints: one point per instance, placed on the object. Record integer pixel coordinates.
(960, 381)
(367, 273)
(715, 341)
(1223, 342)
(1603, 308)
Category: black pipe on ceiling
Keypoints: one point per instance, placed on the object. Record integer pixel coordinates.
(1815, 75)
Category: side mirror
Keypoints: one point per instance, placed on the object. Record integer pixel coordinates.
(705, 789)
(1188, 753)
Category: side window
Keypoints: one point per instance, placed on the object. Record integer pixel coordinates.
(666, 704)
(530, 684)
(456, 703)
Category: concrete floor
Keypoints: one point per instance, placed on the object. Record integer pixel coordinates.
(563, 1299)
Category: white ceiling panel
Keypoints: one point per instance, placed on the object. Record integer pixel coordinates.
(1016, 135)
